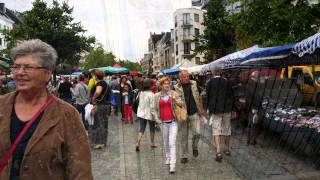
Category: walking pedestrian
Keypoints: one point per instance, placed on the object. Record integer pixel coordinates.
(64, 90)
(123, 81)
(254, 95)
(81, 94)
(44, 133)
(164, 114)
(220, 104)
(99, 129)
(127, 100)
(189, 92)
(144, 113)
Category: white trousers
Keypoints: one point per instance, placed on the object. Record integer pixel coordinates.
(169, 134)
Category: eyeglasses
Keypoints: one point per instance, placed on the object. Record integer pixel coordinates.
(25, 67)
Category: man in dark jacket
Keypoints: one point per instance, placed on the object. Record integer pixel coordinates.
(219, 105)
(254, 94)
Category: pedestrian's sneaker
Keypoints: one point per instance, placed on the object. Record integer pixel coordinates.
(184, 160)
(172, 169)
(195, 153)
(167, 162)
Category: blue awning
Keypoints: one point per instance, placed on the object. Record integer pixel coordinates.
(230, 60)
(308, 45)
(277, 52)
(171, 71)
(76, 73)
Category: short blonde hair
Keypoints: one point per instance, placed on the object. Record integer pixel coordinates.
(164, 79)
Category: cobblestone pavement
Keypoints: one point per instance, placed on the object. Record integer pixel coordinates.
(120, 161)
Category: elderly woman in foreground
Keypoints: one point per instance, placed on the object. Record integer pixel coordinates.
(42, 137)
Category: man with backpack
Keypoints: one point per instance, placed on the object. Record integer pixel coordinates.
(81, 94)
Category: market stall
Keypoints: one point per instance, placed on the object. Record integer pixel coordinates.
(270, 56)
(230, 60)
(299, 127)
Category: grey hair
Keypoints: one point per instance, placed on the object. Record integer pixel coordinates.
(216, 70)
(45, 54)
(183, 71)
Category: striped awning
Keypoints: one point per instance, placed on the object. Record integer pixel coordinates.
(308, 45)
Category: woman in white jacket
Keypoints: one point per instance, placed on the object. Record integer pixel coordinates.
(144, 113)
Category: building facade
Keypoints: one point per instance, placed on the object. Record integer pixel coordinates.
(154, 51)
(7, 20)
(146, 63)
(165, 51)
(188, 23)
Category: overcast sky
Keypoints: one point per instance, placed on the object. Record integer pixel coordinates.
(122, 26)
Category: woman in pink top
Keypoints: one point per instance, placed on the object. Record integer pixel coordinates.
(164, 114)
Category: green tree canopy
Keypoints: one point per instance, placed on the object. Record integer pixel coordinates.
(55, 25)
(132, 66)
(274, 22)
(218, 37)
(97, 57)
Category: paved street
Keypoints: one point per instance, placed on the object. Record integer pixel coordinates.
(120, 161)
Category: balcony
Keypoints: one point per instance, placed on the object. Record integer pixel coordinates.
(187, 23)
(187, 38)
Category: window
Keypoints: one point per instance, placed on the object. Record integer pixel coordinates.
(196, 18)
(198, 60)
(187, 47)
(176, 33)
(1, 42)
(186, 33)
(186, 18)
(177, 50)
(175, 21)
(196, 32)
(196, 44)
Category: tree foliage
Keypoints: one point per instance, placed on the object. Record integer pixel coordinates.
(274, 22)
(218, 37)
(97, 57)
(132, 66)
(55, 25)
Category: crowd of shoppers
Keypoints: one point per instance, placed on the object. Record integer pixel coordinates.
(155, 101)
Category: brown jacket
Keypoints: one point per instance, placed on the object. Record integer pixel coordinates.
(59, 148)
(194, 89)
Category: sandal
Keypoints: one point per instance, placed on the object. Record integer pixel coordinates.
(137, 148)
(227, 153)
(153, 146)
(99, 146)
(218, 157)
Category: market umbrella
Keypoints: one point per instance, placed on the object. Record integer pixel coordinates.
(133, 73)
(117, 66)
(112, 70)
(171, 71)
(76, 73)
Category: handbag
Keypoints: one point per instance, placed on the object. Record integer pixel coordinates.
(5, 160)
(136, 103)
(94, 110)
(181, 113)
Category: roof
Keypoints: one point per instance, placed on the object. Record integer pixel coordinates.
(12, 15)
(156, 37)
(166, 38)
(7, 13)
